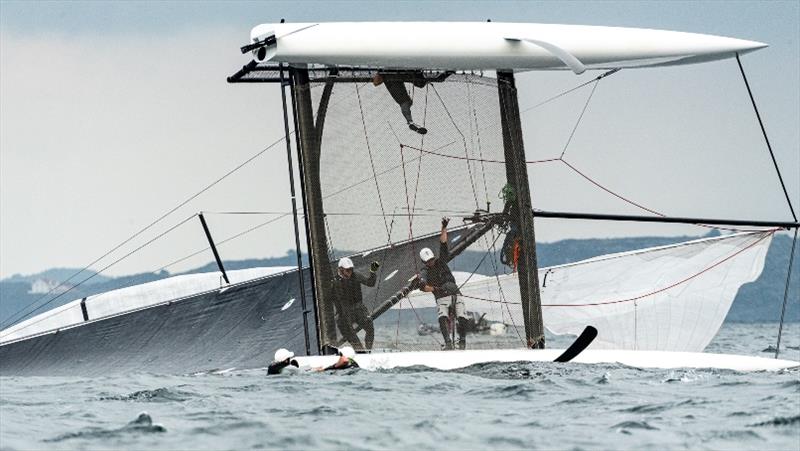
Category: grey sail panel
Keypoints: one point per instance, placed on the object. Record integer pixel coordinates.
(239, 327)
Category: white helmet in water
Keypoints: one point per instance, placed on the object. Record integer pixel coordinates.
(347, 351)
(283, 354)
(426, 254)
(346, 263)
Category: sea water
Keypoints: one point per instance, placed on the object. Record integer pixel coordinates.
(496, 405)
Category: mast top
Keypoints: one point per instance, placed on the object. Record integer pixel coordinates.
(486, 46)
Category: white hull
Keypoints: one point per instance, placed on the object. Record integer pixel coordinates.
(450, 360)
(489, 45)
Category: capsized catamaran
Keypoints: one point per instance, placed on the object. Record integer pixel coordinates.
(396, 125)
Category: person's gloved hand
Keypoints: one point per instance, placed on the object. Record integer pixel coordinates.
(374, 266)
(445, 221)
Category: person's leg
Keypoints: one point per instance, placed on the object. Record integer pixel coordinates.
(461, 314)
(363, 320)
(442, 307)
(405, 108)
(397, 89)
(346, 327)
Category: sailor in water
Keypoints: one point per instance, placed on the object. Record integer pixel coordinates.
(283, 363)
(349, 302)
(436, 278)
(346, 360)
(395, 84)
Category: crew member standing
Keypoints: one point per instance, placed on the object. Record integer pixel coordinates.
(349, 302)
(437, 278)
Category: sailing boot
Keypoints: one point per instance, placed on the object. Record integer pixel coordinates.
(448, 343)
(417, 128)
(462, 333)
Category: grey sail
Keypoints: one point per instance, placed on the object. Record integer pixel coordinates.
(239, 326)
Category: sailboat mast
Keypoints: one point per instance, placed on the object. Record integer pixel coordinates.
(309, 145)
(521, 211)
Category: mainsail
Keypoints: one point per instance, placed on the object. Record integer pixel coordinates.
(668, 298)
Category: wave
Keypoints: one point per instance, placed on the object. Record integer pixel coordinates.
(643, 425)
(162, 394)
(779, 421)
(661, 407)
(143, 424)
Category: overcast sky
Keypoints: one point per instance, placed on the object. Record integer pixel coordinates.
(113, 113)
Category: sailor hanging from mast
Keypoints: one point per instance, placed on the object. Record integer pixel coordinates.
(349, 302)
(395, 83)
(437, 278)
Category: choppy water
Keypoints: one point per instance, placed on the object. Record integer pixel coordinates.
(520, 405)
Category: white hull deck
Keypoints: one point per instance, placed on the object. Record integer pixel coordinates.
(450, 360)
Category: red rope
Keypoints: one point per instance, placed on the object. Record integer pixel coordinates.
(484, 160)
(624, 199)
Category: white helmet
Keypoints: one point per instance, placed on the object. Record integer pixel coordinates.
(347, 351)
(346, 263)
(283, 354)
(426, 254)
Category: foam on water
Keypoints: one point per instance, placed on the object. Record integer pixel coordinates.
(509, 405)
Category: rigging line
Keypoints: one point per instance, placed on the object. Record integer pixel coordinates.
(493, 301)
(416, 184)
(580, 118)
(766, 139)
(159, 219)
(502, 294)
(464, 142)
(437, 210)
(786, 294)
(422, 145)
(589, 179)
(11, 321)
(478, 136)
(457, 157)
(413, 247)
(246, 212)
(671, 286)
(372, 162)
(220, 243)
(330, 240)
(485, 254)
(366, 180)
(598, 78)
(624, 199)
(433, 336)
(397, 331)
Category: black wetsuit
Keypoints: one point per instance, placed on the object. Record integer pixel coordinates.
(350, 364)
(439, 275)
(277, 367)
(395, 84)
(350, 306)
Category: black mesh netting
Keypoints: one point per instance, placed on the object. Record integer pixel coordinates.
(386, 187)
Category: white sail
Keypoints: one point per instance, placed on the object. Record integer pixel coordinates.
(668, 298)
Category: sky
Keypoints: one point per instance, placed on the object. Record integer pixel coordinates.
(112, 113)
